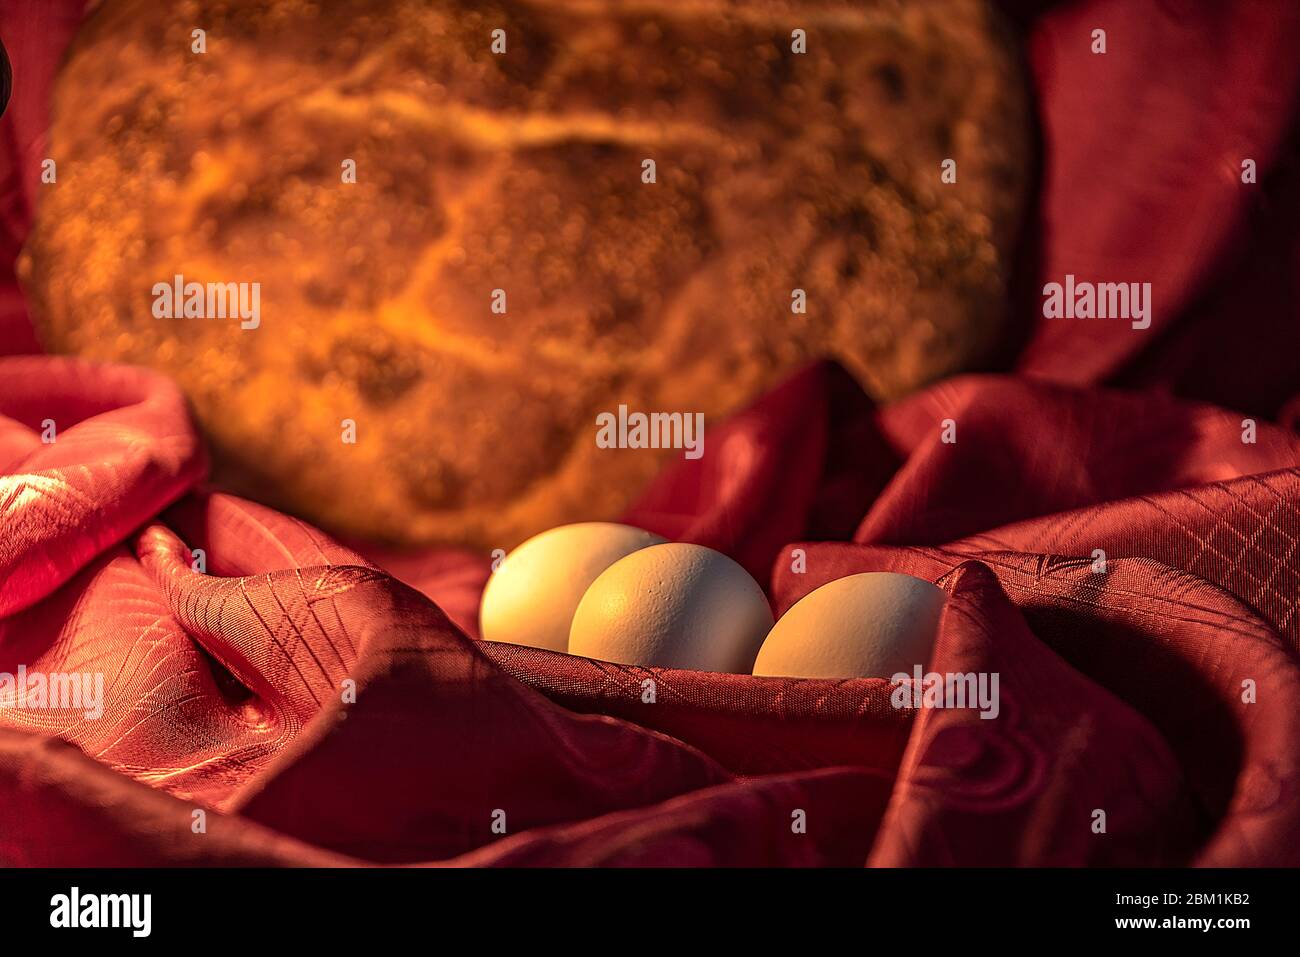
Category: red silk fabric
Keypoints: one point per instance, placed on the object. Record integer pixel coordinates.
(1120, 691)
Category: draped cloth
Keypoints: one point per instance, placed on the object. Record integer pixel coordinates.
(1116, 526)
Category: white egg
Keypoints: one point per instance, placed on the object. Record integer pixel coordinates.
(673, 606)
(873, 625)
(531, 597)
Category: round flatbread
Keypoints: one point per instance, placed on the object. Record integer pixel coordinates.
(603, 204)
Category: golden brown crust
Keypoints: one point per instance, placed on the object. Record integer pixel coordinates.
(522, 172)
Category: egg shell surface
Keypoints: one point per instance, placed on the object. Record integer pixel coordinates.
(531, 597)
(873, 625)
(673, 606)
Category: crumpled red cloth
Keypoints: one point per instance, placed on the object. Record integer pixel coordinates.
(1120, 690)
